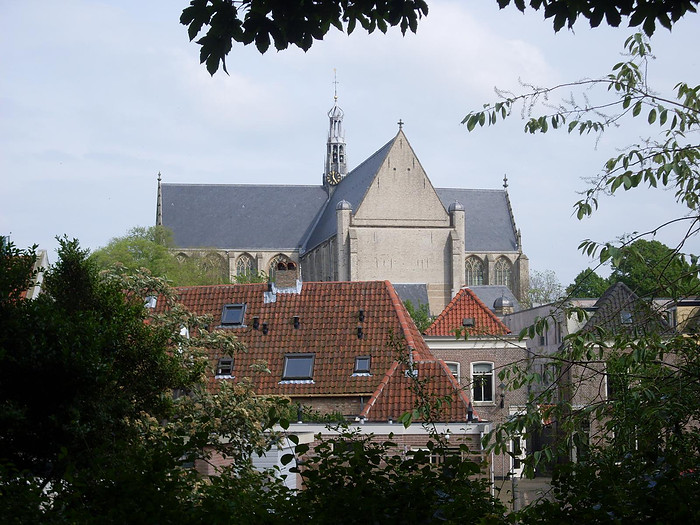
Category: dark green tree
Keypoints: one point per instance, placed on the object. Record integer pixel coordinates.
(652, 269)
(91, 429)
(587, 284)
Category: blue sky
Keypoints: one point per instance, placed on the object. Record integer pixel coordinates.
(96, 98)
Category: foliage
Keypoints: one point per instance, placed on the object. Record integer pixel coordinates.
(152, 248)
(544, 288)
(293, 22)
(353, 478)
(421, 315)
(256, 276)
(638, 12)
(652, 269)
(587, 284)
(90, 424)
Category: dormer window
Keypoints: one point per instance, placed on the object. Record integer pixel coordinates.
(224, 367)
(232, 315)
(362, 365)
(298, 367)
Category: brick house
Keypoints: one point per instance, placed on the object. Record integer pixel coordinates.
(475, 345)
(346, 348)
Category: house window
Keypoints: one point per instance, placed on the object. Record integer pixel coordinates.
(482, 382)
(625, 317)
(558, 332)
(503, 273)
(298, 366)
(244, 266)
(362, 364)
(224, 367)
(473, 272)
(454, 368)
(232, 315)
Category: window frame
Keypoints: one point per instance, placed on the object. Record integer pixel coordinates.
(242, 307)
(455, 373)
(474, 380)
(357, 371)
(288, 357)
(221, 363)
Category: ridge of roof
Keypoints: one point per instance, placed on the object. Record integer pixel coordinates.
(407, 324)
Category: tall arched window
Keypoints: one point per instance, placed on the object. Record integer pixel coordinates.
(503, 273)
(278, 261)
(244, 265)
(473, 271)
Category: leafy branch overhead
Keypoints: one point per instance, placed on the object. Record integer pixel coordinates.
(291, 22)
(644, 13)
(670, 158)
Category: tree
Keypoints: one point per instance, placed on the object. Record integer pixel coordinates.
(152, 248)
(421, 315)
(544, 288)
(638, 12)
(90, 424)
(636, 439)
(299, 23)
(652, 269)
(587, 284)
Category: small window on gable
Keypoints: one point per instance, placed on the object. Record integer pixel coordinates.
(454, 368)
(626, 317)
(224, 367)
(232, 315)
(298, 366)
(362, 364)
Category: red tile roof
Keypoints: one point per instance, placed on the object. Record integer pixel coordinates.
(467, 305)
(329, 314)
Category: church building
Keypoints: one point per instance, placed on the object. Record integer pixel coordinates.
(383, 220)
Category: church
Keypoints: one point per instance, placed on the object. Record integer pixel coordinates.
(383, 220)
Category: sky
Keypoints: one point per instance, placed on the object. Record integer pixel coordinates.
(98, 97)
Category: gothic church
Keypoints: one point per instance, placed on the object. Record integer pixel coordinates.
(383, 220)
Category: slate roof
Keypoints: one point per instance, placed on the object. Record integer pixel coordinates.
(242, 217)
(488, 222)
(619, 310)
(416, 293)
(248, 217)
(467, 305)
(488, 293)
(329, 317)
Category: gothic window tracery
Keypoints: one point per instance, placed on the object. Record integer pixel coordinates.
(473, 271)
(244, 265)
(503, 273)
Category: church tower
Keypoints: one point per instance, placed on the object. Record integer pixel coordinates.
(336, 158)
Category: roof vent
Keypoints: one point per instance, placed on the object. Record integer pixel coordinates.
(468, 322)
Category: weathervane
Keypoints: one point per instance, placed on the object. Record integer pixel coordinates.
(505, 181)
(335, 85)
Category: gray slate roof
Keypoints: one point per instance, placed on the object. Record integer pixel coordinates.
(228, 216)
(489, 293)
(488, 223)
(248, 217)
(416, 293)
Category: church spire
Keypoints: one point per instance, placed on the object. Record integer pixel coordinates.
(336, 158)
(159, 203)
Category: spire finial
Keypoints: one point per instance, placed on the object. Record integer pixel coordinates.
(335, 85)
(400, 123)
(505, 181)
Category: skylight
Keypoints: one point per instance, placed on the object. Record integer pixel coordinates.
(232, 315)
(298, 366)
(362, 364)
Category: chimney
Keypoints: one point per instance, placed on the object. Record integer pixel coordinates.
(286, 275)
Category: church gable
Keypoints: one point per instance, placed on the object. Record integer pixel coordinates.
(401, 193)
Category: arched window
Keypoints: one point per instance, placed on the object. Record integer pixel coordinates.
(244, 265)
(278, 262)
(502, 273)
(473, 271)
